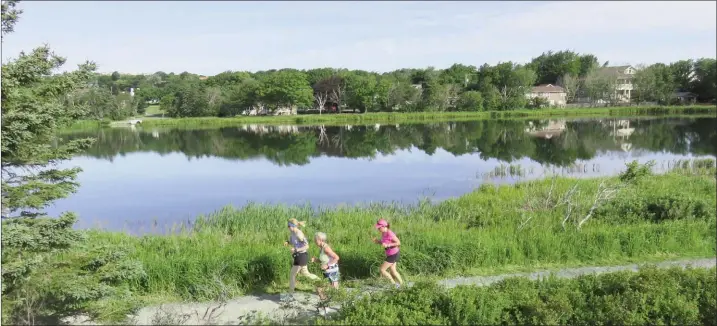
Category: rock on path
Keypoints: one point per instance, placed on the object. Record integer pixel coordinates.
(303, 305)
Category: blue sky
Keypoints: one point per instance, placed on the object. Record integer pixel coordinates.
(207, 37)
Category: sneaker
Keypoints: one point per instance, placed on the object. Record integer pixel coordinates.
(397, 285)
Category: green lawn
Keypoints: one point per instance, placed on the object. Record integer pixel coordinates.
(153, 111)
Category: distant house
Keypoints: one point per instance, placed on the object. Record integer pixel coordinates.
(555, 95)
(623, 76)
(685, 97)
(202, 77)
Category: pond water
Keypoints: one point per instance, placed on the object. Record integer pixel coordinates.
(135, 177)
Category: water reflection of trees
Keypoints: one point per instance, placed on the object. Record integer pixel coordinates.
(503, 140)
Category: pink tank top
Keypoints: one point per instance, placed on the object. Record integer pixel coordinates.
(386, 239)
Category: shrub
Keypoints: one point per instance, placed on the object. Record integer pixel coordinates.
(50, 273)
(648, 297)
(636, 172)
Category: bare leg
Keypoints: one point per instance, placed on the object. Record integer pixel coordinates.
(395, 274)
(384, 271)
(292, 277)
(304, 271)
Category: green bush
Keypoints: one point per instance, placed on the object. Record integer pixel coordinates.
(685, 198)
(648, 297)
(50, 272)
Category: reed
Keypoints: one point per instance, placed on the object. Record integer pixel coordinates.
(493, 229)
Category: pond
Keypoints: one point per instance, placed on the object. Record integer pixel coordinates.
(134, 177)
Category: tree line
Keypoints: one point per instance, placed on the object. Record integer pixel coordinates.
(457, 88)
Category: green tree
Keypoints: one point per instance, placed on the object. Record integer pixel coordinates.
(166, 103)
(470, 101)
(10, 15)
(190, 101)
(588, 63)
(681, 74)
(286, 89)
(458, 74)
(654, 83)
(228, 78)
(705, 81)
(552, 65)
(360, 91)
(402, 96)
(238, 98)
(34, 103)
(491, 98)
(599, 86)
(513, 82)
(33, 110)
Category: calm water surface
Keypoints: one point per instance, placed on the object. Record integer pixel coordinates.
(135, 177)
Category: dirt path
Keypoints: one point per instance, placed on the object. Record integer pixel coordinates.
(303, 304)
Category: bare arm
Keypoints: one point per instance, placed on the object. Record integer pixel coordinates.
(330, 252)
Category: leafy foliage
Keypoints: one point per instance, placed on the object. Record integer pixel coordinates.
(648, 297)
(48, 270)
(33, 110)
(82, 275)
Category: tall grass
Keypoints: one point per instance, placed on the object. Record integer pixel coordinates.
(422, 117)
(490, 230)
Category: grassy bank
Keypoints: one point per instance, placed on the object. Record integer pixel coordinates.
(648, 297)
(419, 117)
(491, 230)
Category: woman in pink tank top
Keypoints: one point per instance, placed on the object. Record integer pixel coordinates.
(389, 241)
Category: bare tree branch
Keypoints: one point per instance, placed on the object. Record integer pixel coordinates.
(603, 194)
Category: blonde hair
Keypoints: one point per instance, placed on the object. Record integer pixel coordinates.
(321, 236)
(297, 222)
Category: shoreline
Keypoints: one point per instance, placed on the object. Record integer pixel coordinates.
(493, 230)
(412, 117)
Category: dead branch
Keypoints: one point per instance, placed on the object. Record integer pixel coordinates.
(604, 193)
(567, 201)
